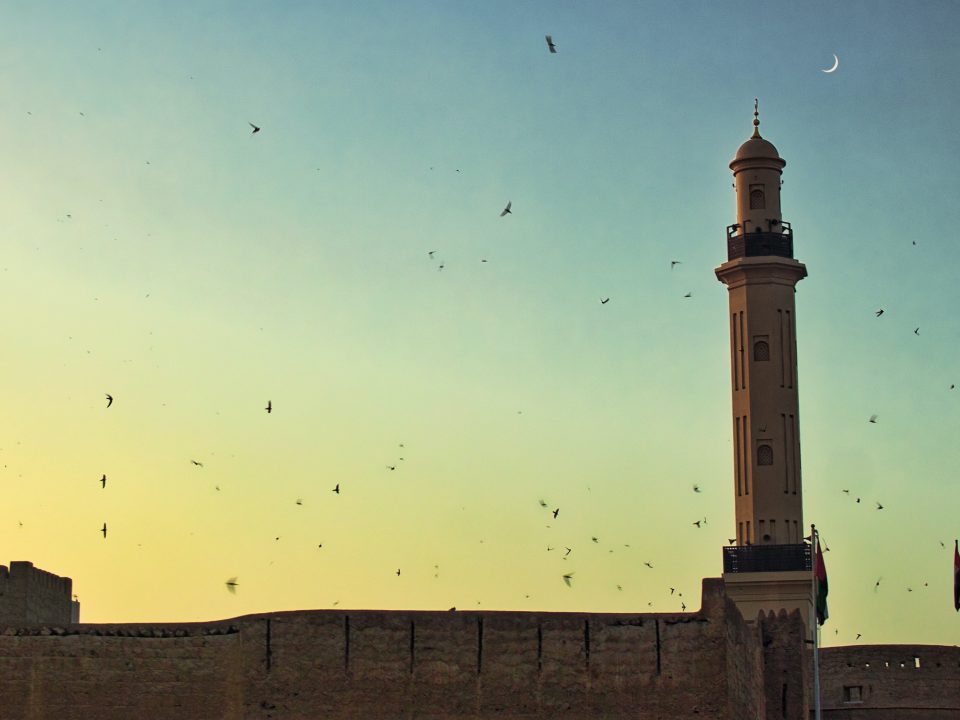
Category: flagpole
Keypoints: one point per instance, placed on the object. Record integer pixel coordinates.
(816, 626)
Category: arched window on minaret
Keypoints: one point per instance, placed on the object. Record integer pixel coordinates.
(761, 351)
(764, 455)
(757, 200)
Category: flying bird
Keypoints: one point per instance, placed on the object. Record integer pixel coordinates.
(232, 585)
(255, 128)
(672, 590)
(430, 253)
(846, 491)
(543, 503)
(197, 463)
(104, 531)
(337, 489)
(398, 572)
(689, 294)
(568, 551)
(683, 607)
(103, 481)
(109, 399)
(506, 210)
(649, 565)
(604, 301)
(299, 501)
(674, 262)
(696, 488)
(550, 44)
(269, 407)
(879, 312)
(391, 467)
(697, 523)
(556, 512)
(879, 506)
(567, 578)
(873, 419)
(916, 331)
(594, 538)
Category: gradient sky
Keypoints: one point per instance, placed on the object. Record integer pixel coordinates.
(156, 250)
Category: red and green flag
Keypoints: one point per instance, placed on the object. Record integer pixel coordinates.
(956, 576)
(820, 583)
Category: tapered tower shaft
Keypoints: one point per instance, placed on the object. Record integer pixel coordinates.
(761, 275)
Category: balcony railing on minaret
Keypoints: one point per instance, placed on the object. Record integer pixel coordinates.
(776, 238)
(766, 558)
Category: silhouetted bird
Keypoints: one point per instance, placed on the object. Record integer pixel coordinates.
(846, 491)
(398, 572)
(697, 523)
(674, 262)
(255, 128)
(879, 506)
(430, 253)
(916, 331)
(269, 407)
(232, 585)
(595, 539)
(857, 637)
(109, 399)
(731, 541)
(604, 301)
(689, 294)
(683, 607)
(556, 512)
(506, 210)
(879, 312)
(104, 531)
(568, 551)
(877, 584)
(299, 501)
(873, 418)
(197, 463)
(543, 503)
(649, 565)
(550, 44)
(103, 482)
(337, 489)
(567, 578)
(672, 590)
(696, 488)
(391, 467)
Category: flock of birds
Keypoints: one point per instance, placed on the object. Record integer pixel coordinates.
(232, 583)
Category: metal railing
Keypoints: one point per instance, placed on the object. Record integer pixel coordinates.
(766, 558)
(758, 242)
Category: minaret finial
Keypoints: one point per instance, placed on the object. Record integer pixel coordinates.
(756, 118)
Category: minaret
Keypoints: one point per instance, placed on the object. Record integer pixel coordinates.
(761, 276)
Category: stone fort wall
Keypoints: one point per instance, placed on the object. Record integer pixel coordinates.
(31, 596)
(429, 665)
(887, 682)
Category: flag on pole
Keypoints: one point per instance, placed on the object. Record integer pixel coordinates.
(820, 582)
(956, 576)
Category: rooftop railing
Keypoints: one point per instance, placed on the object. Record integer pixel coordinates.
(766, 558)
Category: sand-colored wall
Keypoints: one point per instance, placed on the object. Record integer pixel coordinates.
(912, 682)
(380, 664)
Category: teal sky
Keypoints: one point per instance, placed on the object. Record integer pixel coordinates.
(155, 249)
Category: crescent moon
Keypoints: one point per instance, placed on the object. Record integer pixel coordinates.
(836, 64)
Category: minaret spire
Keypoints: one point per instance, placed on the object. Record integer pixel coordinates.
(769, 568)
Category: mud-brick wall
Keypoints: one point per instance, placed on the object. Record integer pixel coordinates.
(902, 682)
(31, 596)
(378, 665)
(120, 672)
(370, 664)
